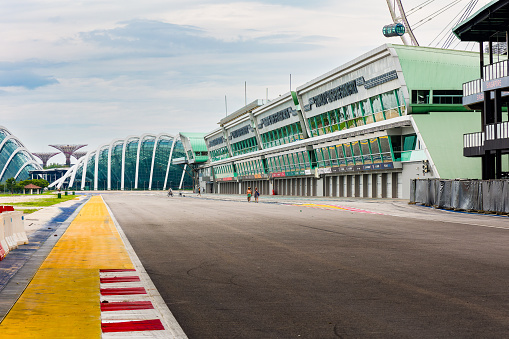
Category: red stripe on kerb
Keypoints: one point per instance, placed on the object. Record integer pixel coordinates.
(126, 306)
(123, 291)
(118, 270)
(119, 279)
(128, 326)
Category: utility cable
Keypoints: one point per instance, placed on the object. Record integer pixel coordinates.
(465, 14)
(435, 14)
(446, 27)
(418, 7)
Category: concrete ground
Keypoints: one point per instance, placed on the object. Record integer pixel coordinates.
(320, 268)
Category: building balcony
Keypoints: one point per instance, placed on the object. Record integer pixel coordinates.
(472, 92)
(495, 138)
(496, 76)
(473, 144)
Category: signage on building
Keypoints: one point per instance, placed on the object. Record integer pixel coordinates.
(225, 179)
(348, 89)
(332, 95)
(495, 84)
(277, 117)
(330, 170)
(240, 132)
(252, 177)
(216, 141)
(358, 168)
(386, 77)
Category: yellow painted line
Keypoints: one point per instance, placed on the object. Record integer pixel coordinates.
(62, 301)
(323, 206)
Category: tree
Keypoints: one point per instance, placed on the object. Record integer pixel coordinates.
(10, 184)
(40, 182)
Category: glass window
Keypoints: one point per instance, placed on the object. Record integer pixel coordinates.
(447, 97)
(366, 154)
(375, 150)
(366, 107)
(377, 104)
(420, 96)
(341, 156)
(326, 122)
(348, 154)
(385, 148)
(300, 159)
(357, 156)
(326, 157)
(389, 100)
(354, 111)
(409, 142)
(319, 157)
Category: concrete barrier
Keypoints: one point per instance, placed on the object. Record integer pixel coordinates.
(18, 224)
(9, 231)
(12, 230)
(4, 247)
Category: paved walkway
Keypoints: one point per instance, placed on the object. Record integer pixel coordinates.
(66, 295)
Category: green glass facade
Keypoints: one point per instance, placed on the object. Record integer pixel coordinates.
(136, 163)
(15, 160)
(377, 108)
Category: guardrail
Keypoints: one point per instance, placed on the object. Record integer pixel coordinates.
(496, 70)
(472, 87)
(473, 139)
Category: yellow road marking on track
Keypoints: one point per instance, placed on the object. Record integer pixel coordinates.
(62, 301)
(323, 206)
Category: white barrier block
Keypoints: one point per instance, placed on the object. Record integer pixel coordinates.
(19, 228)
(4, 247)
(9, 231)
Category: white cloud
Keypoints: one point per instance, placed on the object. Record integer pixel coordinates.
(90, 71)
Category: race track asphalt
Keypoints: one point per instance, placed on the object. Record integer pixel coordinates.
(232, 269)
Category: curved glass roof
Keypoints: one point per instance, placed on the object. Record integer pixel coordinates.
(15, 160)
(135, 163)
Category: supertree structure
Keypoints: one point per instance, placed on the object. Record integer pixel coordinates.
(68, 150)
(45, 156)
(79, 155)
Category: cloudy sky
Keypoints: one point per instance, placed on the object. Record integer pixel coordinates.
(90, 71)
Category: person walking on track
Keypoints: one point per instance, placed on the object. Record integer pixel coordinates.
(249, 192)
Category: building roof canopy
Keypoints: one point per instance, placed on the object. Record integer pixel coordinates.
(32, 186)
(491, 21)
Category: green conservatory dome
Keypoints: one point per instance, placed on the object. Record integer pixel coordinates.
(142, 162)
(15, 160)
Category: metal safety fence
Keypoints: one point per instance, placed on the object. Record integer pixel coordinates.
(466, 195)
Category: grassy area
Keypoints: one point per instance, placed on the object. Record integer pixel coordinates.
(44, 202)
(29, 210)
(7, 194)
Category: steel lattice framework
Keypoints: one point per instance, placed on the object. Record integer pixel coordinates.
(45, 156)
(79, 155)
(68, 150)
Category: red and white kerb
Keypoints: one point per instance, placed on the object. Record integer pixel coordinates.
(127, 310)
